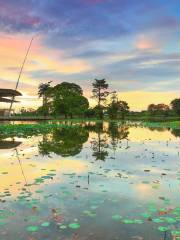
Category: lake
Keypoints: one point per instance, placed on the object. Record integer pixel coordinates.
(91, 181)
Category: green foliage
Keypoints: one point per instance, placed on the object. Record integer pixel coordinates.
(117, 108)
(44, 91)
(176, 106)
(68, 100)
(90, 113)
(100, 93)
(43, 110)
(159, 109)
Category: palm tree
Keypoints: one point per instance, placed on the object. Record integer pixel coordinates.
(44, 90)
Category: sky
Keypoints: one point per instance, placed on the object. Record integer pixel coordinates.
(134, 44)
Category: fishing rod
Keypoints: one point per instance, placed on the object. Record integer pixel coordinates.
(22, 171)
(20, 73)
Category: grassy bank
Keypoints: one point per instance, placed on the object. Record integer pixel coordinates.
(173, 125)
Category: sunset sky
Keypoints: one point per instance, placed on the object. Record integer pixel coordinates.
(134, 44)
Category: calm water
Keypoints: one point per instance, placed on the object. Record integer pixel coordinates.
(96, 181)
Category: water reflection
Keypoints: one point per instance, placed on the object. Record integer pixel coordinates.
(176, 132)
(65, 142)
(52, 187)
(69, 142)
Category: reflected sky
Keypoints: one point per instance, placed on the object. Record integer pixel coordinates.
(96, 181)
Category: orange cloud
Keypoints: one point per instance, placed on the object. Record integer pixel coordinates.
(41, 58)
(146, 43)
(12, 52)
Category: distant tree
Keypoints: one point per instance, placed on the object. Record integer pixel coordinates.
(68, 99)
(117, 108)
(123, 108)
(100, 93)
(27, 111)
(159, 109)
(176, 106)
(152, 109)
(112, 109)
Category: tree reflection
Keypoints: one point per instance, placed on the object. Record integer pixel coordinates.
(158, 129)
(99, 144)
(176, 132)
(65, 142)
(117, 133)
(107, 137)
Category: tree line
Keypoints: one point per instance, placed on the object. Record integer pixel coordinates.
(165, 110)
(67, 99)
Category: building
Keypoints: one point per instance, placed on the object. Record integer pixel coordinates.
(7, 96)
(4, 112)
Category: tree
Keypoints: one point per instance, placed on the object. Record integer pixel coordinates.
(68, 99)
(90, 112)
(113, 107)
(44, 91)
(100, 93)
(123, 108)
(161, 109)
(117, 107)
(176, 105)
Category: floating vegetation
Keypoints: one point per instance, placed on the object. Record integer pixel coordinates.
(72, 181)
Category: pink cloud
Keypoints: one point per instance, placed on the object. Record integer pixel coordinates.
(146, 43)
(18, 15)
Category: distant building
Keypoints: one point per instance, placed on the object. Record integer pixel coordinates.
(4, 112)
(6, 96)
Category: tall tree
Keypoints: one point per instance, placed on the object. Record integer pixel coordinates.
(100, 92)
(44, 91)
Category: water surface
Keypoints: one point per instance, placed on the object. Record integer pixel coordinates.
(91, 181)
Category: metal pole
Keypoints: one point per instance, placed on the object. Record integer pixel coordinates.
(20, 74)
